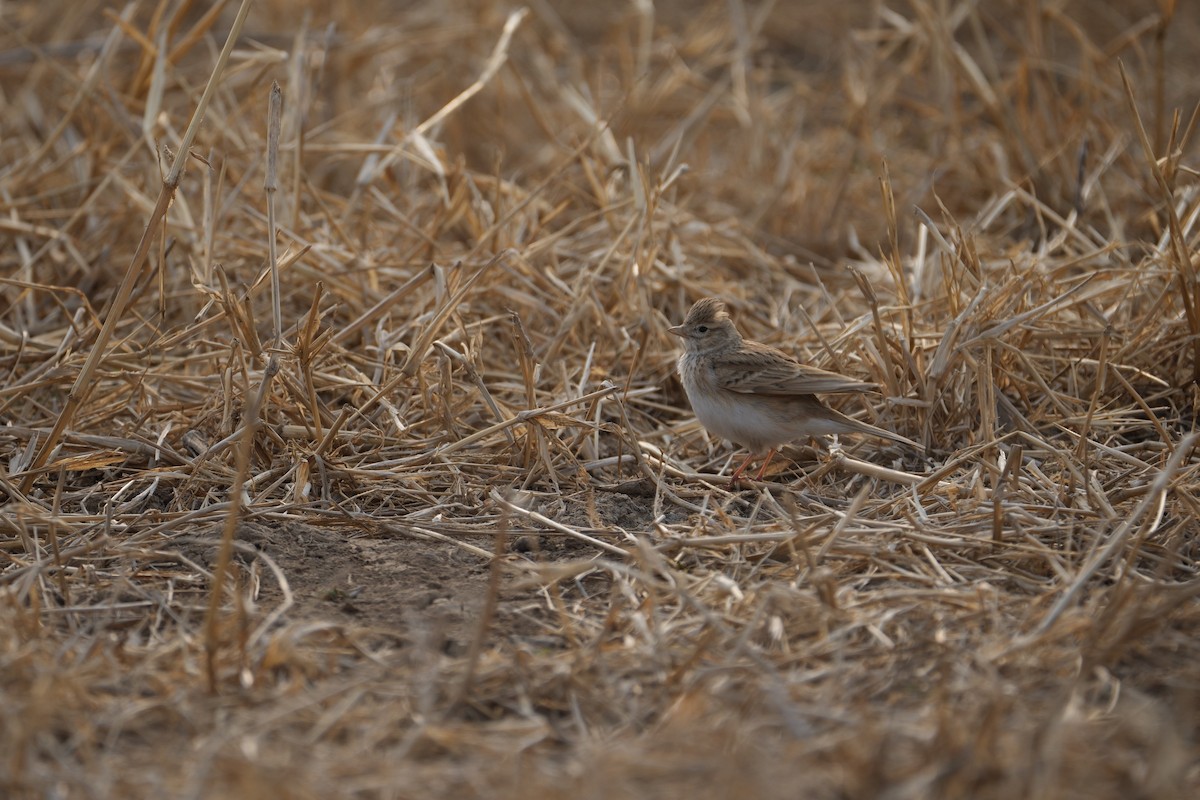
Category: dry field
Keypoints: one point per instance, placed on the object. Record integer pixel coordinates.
(343, 454)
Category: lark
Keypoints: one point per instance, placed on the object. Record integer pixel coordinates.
(755, 395)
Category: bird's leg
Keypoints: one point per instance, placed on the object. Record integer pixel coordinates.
(737, 473)
(763, 468)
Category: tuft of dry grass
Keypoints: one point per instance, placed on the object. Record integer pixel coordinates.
(344, 457)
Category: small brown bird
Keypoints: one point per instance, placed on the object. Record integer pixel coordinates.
(754, 395)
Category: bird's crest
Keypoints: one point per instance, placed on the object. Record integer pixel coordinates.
(708, 309)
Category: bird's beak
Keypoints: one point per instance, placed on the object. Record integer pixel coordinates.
(677, 330)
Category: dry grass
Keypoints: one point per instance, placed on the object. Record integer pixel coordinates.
(453, 531)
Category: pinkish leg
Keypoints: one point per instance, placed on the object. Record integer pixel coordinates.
(737, 473)
(763, 468)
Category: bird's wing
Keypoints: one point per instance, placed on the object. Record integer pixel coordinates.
(775, 373)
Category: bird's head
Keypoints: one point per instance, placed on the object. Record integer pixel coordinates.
(706, 327)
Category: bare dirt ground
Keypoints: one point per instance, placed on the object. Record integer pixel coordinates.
(457, 533)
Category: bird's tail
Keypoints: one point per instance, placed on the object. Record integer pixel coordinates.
(855, 426)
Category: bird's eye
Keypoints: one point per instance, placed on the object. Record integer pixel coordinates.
(702, 329)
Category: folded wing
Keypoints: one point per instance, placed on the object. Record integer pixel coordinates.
(750, 373)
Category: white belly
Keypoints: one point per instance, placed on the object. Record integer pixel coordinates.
(744, 420)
